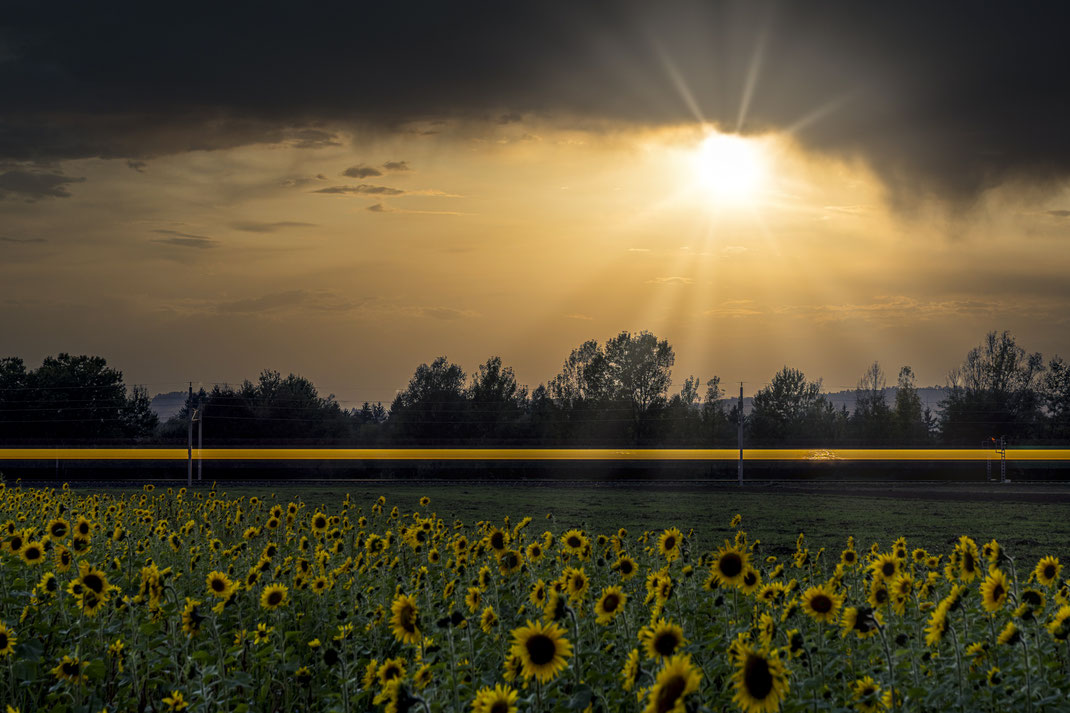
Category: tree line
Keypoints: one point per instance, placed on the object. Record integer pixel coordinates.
(606, 395)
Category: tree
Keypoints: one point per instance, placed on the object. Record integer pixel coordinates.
(639, 369)
(1056, 399)
(995, 392)
(792, 409)
(681, 421)
(911, 427)
(433, 408)
(496, 401)
(614, 393)
(272, 410)
(70, 399)
(872, 419)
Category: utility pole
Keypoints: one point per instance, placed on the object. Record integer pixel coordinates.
(741, 433)
(200, 442)
(1002, 459)
(189, 438)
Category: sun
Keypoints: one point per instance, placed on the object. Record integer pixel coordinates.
(731, 168)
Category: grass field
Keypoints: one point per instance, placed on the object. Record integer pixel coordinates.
(1030, 520)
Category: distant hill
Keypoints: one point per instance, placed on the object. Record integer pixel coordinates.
(167, 405)
(931, 396)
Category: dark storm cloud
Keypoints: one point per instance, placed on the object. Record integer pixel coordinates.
(363, 188)
(397, 166)
(939, 98)
(1059, 213)
(185, 240)
(252, 226)
(361, 171)
(34, 185)
(20, 241)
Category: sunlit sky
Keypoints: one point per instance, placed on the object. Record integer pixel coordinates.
(351, 251)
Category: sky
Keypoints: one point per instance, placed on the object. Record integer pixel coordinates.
(199, 193)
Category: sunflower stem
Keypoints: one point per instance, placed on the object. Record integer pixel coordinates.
(891, 667)
(1028, 678)
(958, 659)
(453, 670)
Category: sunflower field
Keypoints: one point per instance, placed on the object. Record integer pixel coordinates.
(154, 600)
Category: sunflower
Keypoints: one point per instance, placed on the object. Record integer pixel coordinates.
(863, 622)
(262, 633)
(1058, 627)
(751, 581)
(92, 579)
(760, 679)
(423, 677)
(1010, 635)
(497, 539)
(509, 562)
(83, 528)
(14, 543)
(1047, 571)
(886, 566)
(48, 584)
(631, 671)
(626, 567)
(849, 557)
(994, 591)
(191, 618)
(669, 543)
(499, 699)
(390, 670)
(320, 584)
(71, 670)
(772, 593)
(7, 640)
(977, 652)
(766, 630)
(534, 552)
(63, 559)
(473, 599)
(730, 564)
(878, 595)
(542, 648)
(902, 588)
(822, 604)
(968, 559)
(937, 626)
(405, 620)
(537, 595)
(576, 583)
(33, 553)
(319, 523)
(661, 639)
(609, 604)
(866, 695)
(676, 680)
(488, 620)
(574, 541)
(219, 585)
(274, 596)
(58, 529)
(175, 702)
